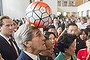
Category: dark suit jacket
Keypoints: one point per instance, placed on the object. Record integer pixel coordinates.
(24, 56)
(6, 50)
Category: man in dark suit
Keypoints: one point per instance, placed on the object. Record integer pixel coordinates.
(31, 41)
(24, 56)
(7, 51)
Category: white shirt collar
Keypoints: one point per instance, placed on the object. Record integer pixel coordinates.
(4, 37)
(34, 57)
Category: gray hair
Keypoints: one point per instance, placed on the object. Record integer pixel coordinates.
(24, 33)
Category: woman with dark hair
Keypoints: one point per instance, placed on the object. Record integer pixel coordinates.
(51, 28)
(52, 38)
(80, 41)
(67, 46)
(83, 54)
(59, 31)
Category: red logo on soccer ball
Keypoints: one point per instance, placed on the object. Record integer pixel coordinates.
(38, 14)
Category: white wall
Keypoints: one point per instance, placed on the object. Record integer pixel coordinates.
(53, 5)
(15, 8)
(83, 8)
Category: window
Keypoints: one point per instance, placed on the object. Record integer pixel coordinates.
(81, 13)
(1, 9)
(71, 3)
(59, 3)
(87, 13)
(65, 3)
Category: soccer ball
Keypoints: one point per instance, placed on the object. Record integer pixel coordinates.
(38, 14)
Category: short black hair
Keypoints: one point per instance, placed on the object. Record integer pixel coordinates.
(47, 34)
(83, 30)
(65, 41)
(71, 24)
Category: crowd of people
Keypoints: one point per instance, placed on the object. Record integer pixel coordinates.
(63, 39)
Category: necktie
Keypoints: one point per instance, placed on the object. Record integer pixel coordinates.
(12, 45)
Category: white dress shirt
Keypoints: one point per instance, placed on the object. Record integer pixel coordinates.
(34, 57)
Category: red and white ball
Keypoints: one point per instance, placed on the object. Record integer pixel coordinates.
(38, 14)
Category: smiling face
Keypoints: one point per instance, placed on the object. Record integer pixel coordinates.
(83, 36)
(59, 30)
